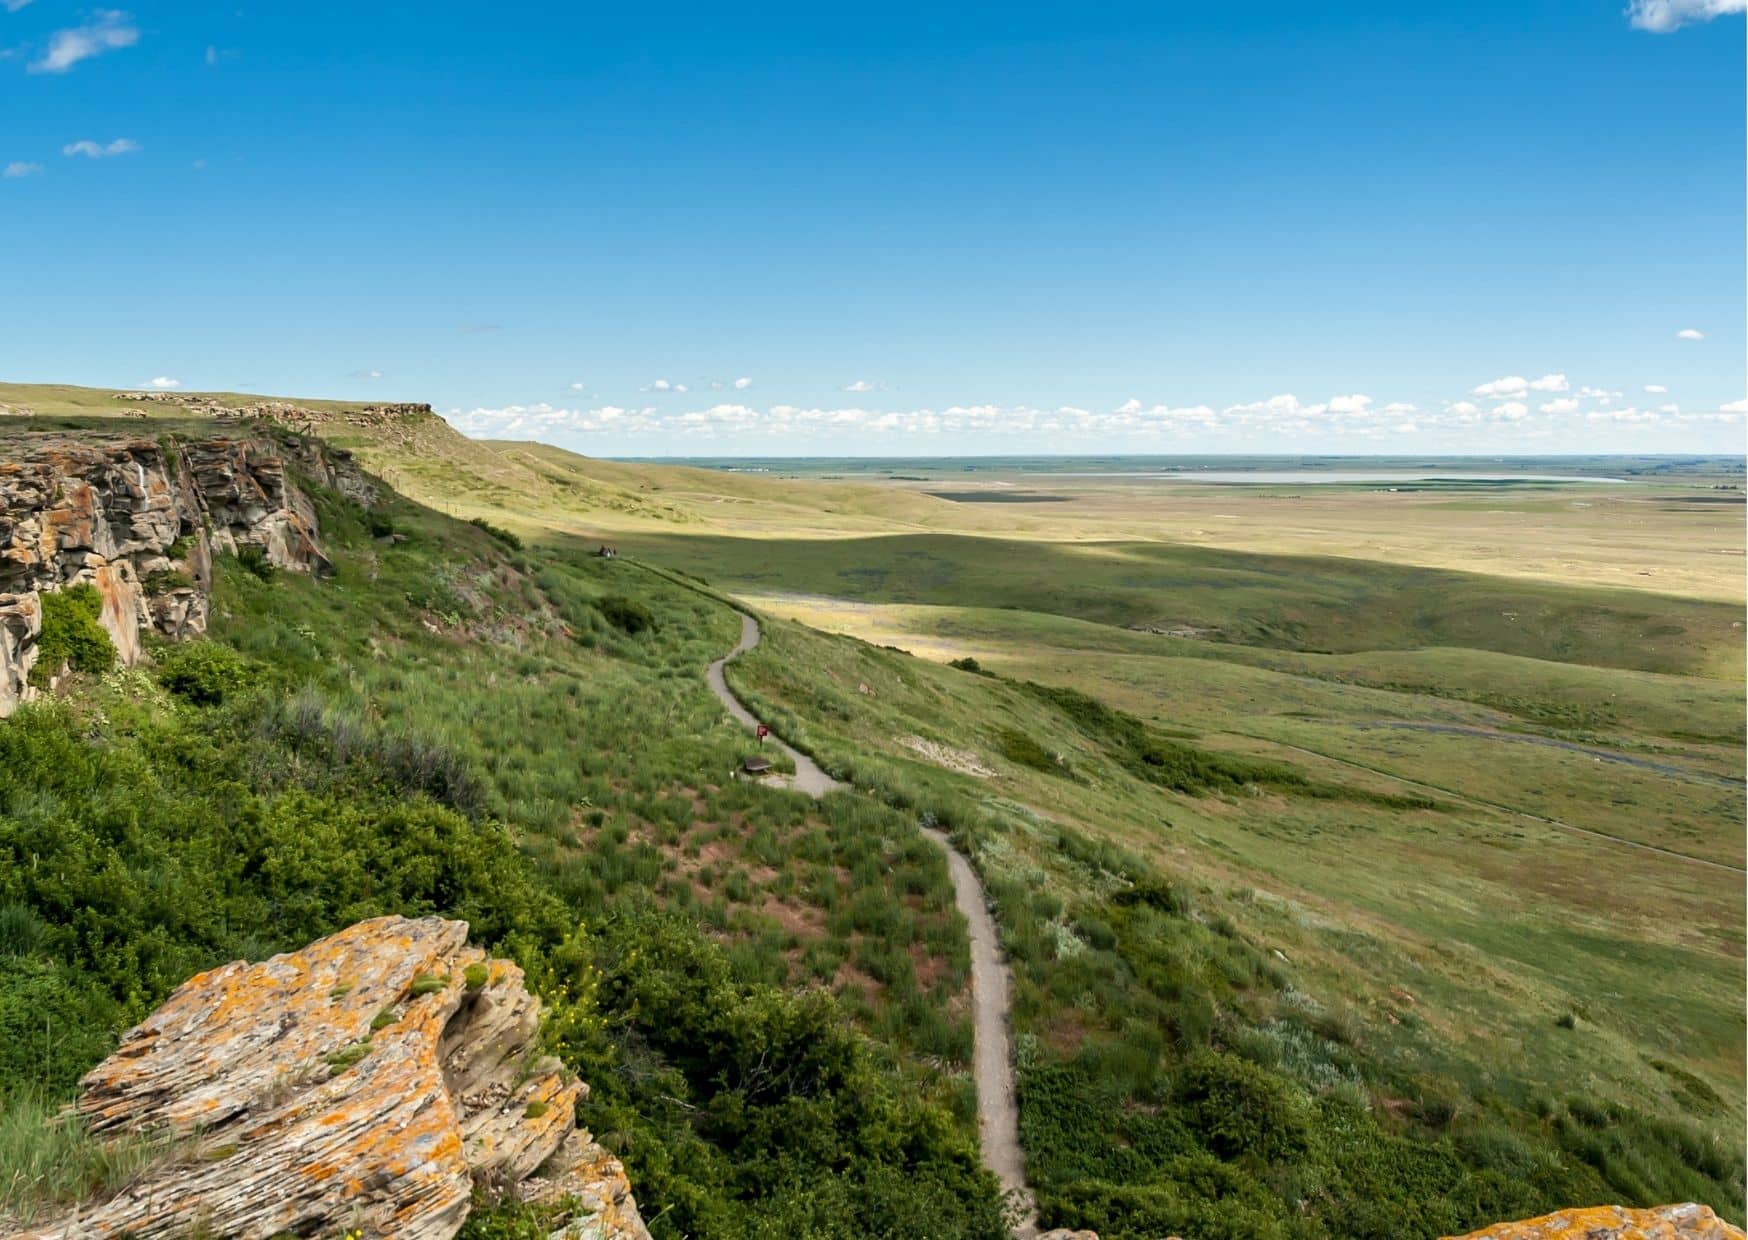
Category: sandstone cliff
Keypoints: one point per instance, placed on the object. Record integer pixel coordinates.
(365, 1084)
(139, 520)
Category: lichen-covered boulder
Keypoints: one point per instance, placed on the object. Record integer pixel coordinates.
(363, 1084)
(1679, 1222)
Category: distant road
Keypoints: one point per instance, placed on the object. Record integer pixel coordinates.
(998, 1113)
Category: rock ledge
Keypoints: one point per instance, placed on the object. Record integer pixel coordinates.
(1678, 1222)
(364, 1084)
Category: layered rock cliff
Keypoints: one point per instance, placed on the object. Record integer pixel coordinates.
(366, 1084)
(140, 520)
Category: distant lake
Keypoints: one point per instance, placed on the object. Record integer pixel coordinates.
(1314, 476)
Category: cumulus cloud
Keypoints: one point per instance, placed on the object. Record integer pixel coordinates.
(367, 374)
(164, 383)
(1401, 406)
(861, 385)
(20, 168)
(1511, 385)
(579, 386)
(1735, 406)
(101, 150)
(1349, 404)
(1516, 385)
(1663, 16)
(1690, 333)
(742, 384)
(1564, 404)
(1511, 410)
(1656, 389)
(1129, 406)
(662, 385)
(107, 31)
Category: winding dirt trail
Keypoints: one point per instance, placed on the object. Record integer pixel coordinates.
(998, 1114)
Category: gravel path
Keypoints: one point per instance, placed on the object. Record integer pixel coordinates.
(998, 1115)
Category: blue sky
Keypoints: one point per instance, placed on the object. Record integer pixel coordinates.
(924, 228)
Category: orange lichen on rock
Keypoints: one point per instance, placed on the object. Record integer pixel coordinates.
(1678, 1222)
(303, 1113)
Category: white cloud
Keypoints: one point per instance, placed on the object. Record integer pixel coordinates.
(1550, 383)
(1663, 16)
(12, 6)
(1596, 393)
(1511, 385)
(860, 385)
(1690, 333)
(1349, 404)
(1735, 406)
(1656, 389)
(1564, 404)
(662, 385)
(211, 54)
(1129, 406)
(742, 384)
(105, 32)
(1668, 408)
(164, 382)
(96, 150)
(19, 168)
(579, 386)
(1400, 406)
(367, 374)
(1511, 410)
(1464, 407)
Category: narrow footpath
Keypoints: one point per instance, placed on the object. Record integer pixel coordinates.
(998, 1115)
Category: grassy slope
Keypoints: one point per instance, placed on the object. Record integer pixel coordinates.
(391, 730)
(1420, 943)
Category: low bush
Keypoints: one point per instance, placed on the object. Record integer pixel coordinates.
(498, 532)
(254, 561)
(1017, 746)
(203, 672)
(628, 615)
(71, 635)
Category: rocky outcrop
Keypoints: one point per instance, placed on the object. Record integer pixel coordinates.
(140, 519)
(1679, 1222)
(364, 1085)
(290, 413)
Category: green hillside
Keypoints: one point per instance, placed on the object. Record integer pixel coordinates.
(1391, 902)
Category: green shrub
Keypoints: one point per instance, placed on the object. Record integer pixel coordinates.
(474, 976)
(71, 635)
(165, 580)
(967, 664)
(378, 524)
(628, 615)
(426, 984)
(1016, 746)
(254, 561)
(203, 672)
(1240, 1110)
(504, 536)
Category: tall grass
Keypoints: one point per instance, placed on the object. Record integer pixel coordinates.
(49, 1159)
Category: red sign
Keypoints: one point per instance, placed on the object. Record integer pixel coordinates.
(763, 731)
